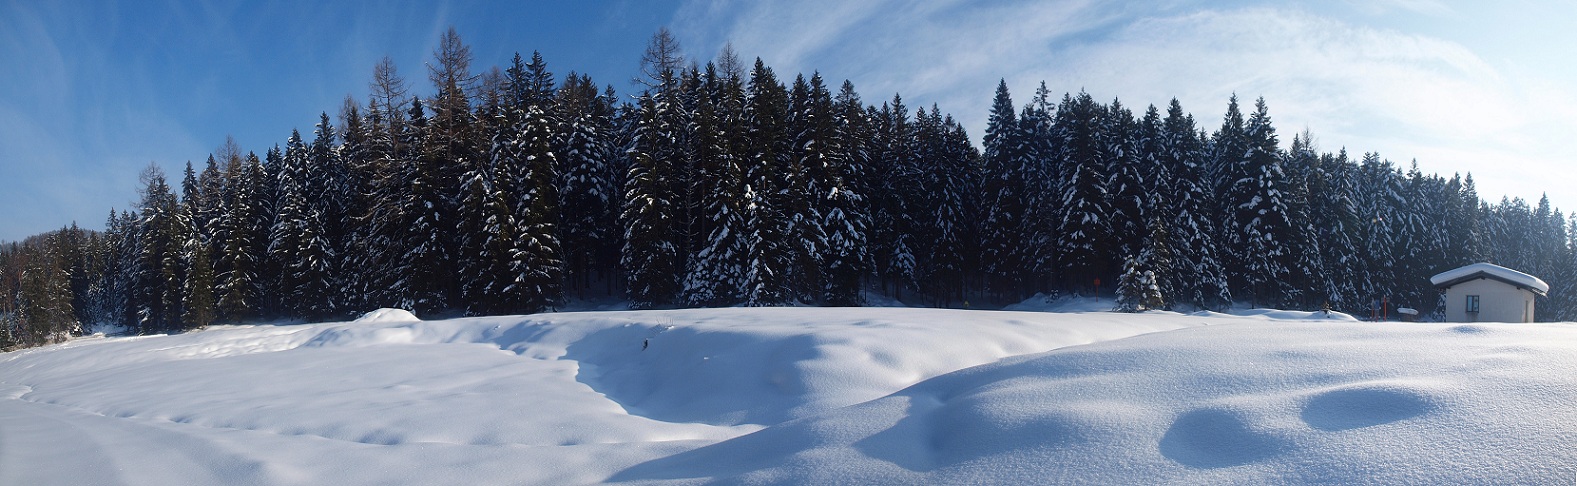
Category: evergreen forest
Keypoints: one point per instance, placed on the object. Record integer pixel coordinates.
(722, 183)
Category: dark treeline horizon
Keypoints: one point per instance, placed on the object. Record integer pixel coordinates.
(508, 191)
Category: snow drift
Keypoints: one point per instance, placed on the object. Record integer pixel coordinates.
(897, 396)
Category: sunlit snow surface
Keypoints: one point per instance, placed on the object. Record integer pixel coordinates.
(801, 395)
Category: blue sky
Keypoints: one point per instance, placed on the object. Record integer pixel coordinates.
(91, 92)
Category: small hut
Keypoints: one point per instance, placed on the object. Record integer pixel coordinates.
(1484, 292)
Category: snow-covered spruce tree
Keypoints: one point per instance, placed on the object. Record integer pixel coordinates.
(1334, 220)
(650, 255)
(1566, 273)
(487, 233)
(44, 306)
(1038, 157)
(198, 308)
(1201, 280)
(212, 201)
(947, 168)
(361, 170)
(538, 264)
(1257, 225)
(769, 257)
(1084, 226)
(847, 215)
(812, 138)
(1303, 245)
(80, 251)
(1464, 229)
(893, 179)
(1154, 167)
(715, 273)
(586, 186)
(1130, 287)
(509, 204)
(298, 243)
(94, 305)
(1002, 240)
(965, 159)
(245, 247)
(155, 293)
(1378, 195)
(423, 280)
(1125, 181)
(1158, 260)
(330, 195)
(1269, 264)
(1138, 289)
(1421, 242)
(1152, 295)
(125, 267)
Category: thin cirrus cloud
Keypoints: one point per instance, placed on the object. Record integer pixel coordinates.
(1367, 76)
(64, 109)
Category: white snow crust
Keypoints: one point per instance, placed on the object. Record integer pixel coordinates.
(801, 396)
(1498, 271)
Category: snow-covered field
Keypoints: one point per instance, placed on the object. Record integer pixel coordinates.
(801, 396)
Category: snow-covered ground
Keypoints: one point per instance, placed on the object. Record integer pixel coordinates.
(801, 395)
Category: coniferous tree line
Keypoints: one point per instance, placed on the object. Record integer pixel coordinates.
(509, 191)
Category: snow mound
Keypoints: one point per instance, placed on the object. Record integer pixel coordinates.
(387, 315)
(1333, 403)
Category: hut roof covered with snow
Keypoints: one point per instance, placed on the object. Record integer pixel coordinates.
(1490, 271)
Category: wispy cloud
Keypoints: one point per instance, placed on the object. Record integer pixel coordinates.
(1367, 87)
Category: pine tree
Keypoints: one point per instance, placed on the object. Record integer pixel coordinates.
(1125, 184)
(197, 304)
(649, 217)
(813, 146)
(716, 273)
(155, 296)
(1084, 225)
(1257, 224)
(487, 234)
(847, 217)
(1039, 159)
(239, 284)
(1378, 199)
(298, 242)
(768, 226)
(587, 187)
(1201, 281)
(1334, 217)
(424, 280)
(1130, 287)
(1003, 243)
(538, 264)
(1158, 260)
(893, 182)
